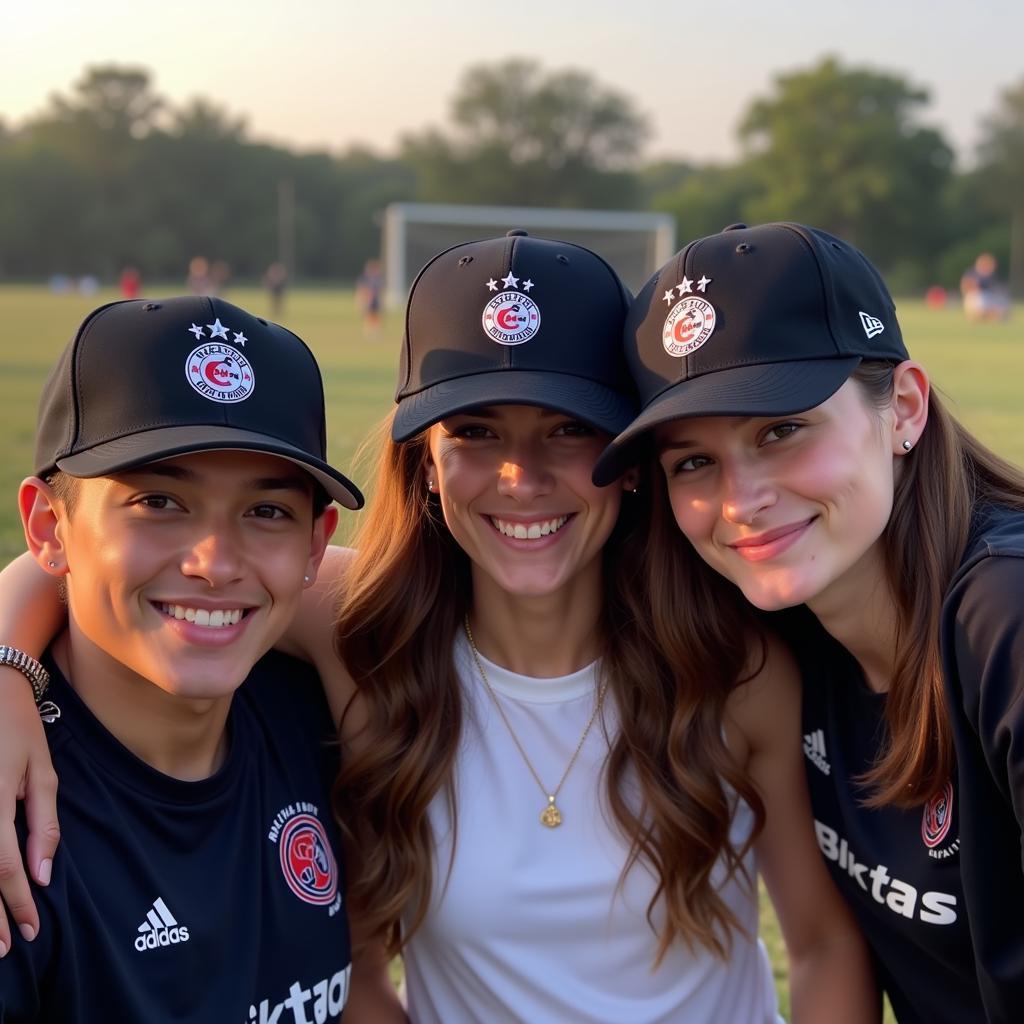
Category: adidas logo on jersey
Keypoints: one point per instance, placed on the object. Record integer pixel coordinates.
(160, 928)
(814, 750)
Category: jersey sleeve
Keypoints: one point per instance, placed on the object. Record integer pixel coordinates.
(988, 649)
(983, 661)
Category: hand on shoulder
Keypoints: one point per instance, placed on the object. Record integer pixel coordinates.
(311, 634)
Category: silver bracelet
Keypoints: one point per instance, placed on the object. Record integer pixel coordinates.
(28, 667)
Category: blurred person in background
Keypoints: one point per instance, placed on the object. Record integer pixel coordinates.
(369, 294)
(275, 280)
(985, 297)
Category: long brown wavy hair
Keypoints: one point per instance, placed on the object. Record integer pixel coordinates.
(405, 597)
(942, 482)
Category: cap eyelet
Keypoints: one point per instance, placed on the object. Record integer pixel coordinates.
(149, 307)
(744, 247)
(562, 259)
(464, 260)
(262, 321)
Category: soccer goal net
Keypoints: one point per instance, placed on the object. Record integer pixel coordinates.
(635, 244)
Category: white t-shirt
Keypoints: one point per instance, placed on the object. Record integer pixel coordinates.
(531, 926)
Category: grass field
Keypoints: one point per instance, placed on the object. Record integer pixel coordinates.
(981, 368)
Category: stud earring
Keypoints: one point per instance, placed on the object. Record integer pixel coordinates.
(907, 446)
(52, 564)
(305, 579)
(430, 486)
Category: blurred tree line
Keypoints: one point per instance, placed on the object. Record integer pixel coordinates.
(113, 175)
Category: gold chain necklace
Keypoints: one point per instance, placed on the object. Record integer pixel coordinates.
(551, 815)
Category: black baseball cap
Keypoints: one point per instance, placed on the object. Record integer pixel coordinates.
(144, 381)
(513, 320)
(753, 321)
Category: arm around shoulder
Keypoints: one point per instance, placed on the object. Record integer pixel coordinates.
(310, 636)
(31, 614)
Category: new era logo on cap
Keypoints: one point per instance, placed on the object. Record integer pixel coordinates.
(871, 324)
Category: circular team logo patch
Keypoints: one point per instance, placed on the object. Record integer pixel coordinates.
(511, 318)
(220, 373)
(306, 860)
(938, 813)
(688, 325)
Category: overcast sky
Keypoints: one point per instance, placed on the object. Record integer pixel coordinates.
(327, 75)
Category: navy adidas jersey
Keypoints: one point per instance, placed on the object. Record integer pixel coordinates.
(212, 901)
(898, 869)
(983, 671)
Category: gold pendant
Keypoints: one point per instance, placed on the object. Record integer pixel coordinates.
(551, 815)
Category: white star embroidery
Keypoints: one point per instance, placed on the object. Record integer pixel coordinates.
(240, 339)
(669, 296)
(218, 330)
(686, 286)
(196, 330)
(510, 281)
(492, 285)
(703, 283)
(527, 285)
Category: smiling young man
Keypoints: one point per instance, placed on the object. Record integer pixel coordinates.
(182, 495)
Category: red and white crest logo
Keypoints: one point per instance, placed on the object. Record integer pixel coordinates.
(220, 373)
(688, 325)
(307, 861)
(937, 816)
(511, 318)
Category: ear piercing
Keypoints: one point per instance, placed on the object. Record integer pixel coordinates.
(52, 564)
(305, 579)
(907, 446)
(430, 486)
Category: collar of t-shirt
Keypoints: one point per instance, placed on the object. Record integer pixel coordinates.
(529, 689)
(77, 724)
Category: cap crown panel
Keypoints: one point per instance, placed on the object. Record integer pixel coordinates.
(579, 301)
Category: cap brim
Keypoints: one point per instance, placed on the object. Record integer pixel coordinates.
(166, 442)
(578, 397)
(768, 389)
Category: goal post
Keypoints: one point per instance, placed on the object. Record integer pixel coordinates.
(635, 244)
